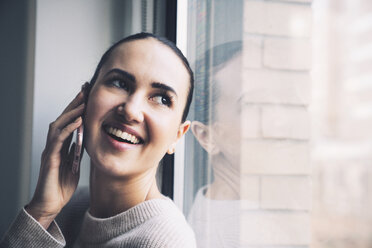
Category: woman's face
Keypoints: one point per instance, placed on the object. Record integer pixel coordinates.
(226, 127)
(223, 135)
(133, 115)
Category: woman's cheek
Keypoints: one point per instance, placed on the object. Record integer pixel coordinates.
(167, 130)
(93, 113)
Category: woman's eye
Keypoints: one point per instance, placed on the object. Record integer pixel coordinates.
(162, 100)
(120, 84)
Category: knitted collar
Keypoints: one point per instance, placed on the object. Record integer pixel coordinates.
(97, 230)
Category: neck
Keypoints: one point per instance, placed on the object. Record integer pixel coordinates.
(110, 195)
(226, 183)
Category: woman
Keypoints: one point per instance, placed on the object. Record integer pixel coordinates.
(216, 211)
(133, 111)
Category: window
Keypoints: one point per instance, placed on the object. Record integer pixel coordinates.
(247, 161)
(280, 150)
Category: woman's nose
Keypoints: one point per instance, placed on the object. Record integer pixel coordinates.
(131, 110)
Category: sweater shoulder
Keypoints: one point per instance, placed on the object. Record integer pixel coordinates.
(168, 229)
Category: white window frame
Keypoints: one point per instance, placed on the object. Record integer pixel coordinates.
(179, 156)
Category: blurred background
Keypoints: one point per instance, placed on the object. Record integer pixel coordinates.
(280, 151)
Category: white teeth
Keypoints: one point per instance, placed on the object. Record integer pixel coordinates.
(132, 138)
(118, 133)
(123, 135)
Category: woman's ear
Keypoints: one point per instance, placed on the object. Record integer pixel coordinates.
(181, 131)
(202, 134)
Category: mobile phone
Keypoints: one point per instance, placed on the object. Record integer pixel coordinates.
(78, 149)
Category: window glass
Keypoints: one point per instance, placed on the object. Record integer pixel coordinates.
(342, 119)
(247, 168)
(280, 149)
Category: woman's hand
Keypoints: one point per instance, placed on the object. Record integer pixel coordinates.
(57, 182)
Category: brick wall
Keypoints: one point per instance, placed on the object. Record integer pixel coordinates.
(275, 162)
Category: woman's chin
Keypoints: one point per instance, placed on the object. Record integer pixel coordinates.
(114, 167)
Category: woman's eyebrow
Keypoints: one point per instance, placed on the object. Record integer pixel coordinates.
(164, 87)
(123, 73)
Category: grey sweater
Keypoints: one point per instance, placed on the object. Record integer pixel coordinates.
(151, 224)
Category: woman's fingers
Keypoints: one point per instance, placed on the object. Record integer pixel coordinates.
(71, 112)
(65, 119)
(60, 134)
(67, 177)
(56, 127)
(69, 116)
(56, 182)
(79, 99)
(64, 134)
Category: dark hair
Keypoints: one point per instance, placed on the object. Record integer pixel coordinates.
(171, 45)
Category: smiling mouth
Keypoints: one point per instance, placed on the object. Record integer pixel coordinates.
(122, 136)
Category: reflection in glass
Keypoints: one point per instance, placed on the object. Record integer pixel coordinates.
(216, 209)
(247, 173)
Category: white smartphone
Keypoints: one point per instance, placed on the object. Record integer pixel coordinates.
(78, 149)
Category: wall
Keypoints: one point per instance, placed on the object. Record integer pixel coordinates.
(71, 36)
(275, 152)
(17, 26)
